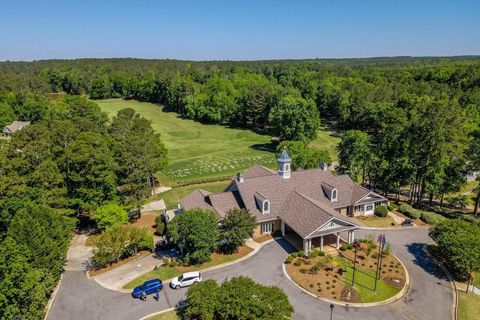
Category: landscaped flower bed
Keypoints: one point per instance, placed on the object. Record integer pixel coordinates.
(331, 277)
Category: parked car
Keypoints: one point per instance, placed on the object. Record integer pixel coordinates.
(186, 279)
(407, 223)
(149, 287)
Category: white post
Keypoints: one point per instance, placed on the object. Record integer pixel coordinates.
(321, 243)
(338, 241)
(353, 236)
(349, 236)
(305, 247)
(282, 228)
(309, 245)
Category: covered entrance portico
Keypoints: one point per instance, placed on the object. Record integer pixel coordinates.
(327, 236)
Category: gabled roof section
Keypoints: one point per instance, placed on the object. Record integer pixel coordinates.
(223, 202)
(196, 199)
(15, 126)
(258, 171)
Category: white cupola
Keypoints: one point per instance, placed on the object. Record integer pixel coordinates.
(284, 162)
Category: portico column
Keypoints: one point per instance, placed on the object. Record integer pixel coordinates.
(338, 241)
(282, 228)
(353, 236)
(309, 245)
(349, 236)
(321, 243)
(305, 247)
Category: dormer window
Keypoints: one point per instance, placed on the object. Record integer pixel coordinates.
(266, 207)
(334, 195)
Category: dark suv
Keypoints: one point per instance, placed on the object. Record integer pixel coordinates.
(148, 287)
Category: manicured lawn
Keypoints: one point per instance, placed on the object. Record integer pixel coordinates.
(169, 315)
(377, 222)
(196, 150)
(365, 283)
(327, 140)
(172, 197)
(468, 306)
(167, 272)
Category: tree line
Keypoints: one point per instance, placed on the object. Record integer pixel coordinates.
(55, 173)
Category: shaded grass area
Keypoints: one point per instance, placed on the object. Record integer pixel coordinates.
(167, 272)
(327, 140)
(169, 315)
(197, 150)
(377, 222)
(468, 306)
(365, 283)
(172, 197)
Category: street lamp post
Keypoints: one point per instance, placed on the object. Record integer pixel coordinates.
(331, 310)
(356, 245)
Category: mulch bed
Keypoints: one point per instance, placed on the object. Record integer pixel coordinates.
(349, 294)
(395, 282)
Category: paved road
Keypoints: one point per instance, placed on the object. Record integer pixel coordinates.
(429, 296)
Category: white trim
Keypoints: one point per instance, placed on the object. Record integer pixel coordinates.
(265, 201)
(323, 225)
(370, 192)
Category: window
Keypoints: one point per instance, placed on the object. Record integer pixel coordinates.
(334, 194)
(357, 208)
(267, 227)
(287, 167)
(266, 206)
(369, 207)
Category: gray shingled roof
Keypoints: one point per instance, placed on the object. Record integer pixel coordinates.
(15, 126)
(299, 199)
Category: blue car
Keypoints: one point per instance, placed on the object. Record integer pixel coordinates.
(148, 287)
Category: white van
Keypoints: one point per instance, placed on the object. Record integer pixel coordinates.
(186, 279)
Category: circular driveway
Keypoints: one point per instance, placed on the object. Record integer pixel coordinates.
(429, 296)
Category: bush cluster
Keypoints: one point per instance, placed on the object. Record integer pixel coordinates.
(381, 211)
(410, 212)
(431, 217)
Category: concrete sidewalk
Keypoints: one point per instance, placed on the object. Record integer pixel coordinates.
(116, 278)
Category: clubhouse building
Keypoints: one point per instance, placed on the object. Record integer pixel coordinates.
(309, 207)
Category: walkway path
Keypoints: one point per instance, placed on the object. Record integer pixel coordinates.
(429, 296)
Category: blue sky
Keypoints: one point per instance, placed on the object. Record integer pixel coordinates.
(237, 30)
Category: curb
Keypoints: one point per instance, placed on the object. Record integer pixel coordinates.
(450, 279)
(226, 264)
(396, 297)
(52, 297)
(394, 228)
(155, 313)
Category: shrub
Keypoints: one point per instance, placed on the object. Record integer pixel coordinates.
(301, 254)
(314, 253)
(321, 253)
(431, 217)
(297, 263)
(294, 254)
(381, 211)
(407, 210)
(303, 270)
(289, 259)
(160, 225)
(344, 247)
(146, 243)
(392, 206)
